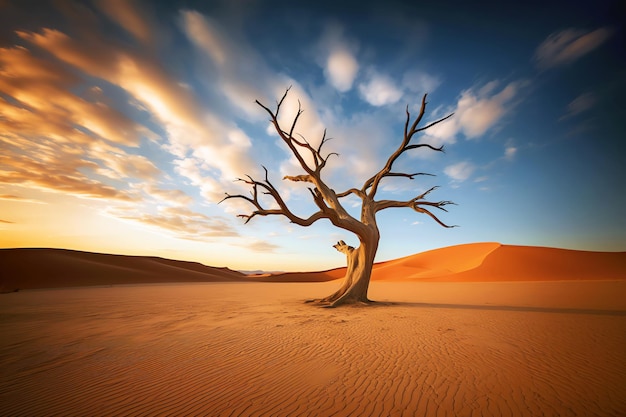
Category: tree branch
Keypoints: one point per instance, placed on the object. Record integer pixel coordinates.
(323, 196)
(354, 191)
(409, 176)
(372, 183)
(416, 204)
(270, 190)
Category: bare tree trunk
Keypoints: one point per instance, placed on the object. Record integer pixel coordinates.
(358, 272)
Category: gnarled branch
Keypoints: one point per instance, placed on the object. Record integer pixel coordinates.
(416, 204)
(354, 191)
(269, 189)
(409, 131)
(294, 144)
(323, 196)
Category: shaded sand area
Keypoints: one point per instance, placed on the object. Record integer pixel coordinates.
(253, 349)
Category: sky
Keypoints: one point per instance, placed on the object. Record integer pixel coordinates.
(124, 123)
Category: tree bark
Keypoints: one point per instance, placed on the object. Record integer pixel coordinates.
(358, 273)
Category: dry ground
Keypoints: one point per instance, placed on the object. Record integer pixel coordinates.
(222, 349)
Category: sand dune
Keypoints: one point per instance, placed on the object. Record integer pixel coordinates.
(54, 268)
(484, 262)
(481, 262)
(436, 263)
(477, 262)
(254, 349)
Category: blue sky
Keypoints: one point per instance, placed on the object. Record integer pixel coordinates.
(124, 123)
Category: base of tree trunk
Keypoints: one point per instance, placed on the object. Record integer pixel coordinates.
(324, 302)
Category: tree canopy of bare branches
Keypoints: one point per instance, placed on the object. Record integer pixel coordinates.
(360, 260)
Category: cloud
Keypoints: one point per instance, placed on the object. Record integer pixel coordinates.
(243, 76)
(341, 69)
(127, 15)
(182, 222)
(191, 168)
(509, 152)
(477, 110)
(43, 104)
(55, 139)
(380, 90)
(579, 105)
(257, 245)
(239, 73)
(338, 58)
(460, 172)
(172, 197)
(189, 126)
(568, 45)
(420, 82)
(17, 198)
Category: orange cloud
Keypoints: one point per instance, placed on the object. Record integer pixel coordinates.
(52, 138)
(184, 223)
(127, 15)
(569, 45)
(42, 103)
(76, 144)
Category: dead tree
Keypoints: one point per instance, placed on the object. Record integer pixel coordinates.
(360, 259)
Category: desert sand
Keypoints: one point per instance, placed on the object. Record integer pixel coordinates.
(440, 347)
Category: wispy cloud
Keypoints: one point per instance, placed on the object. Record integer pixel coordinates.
(242, 76)
(509, 152)
(580, 104)
(58, 137)
(568, 45)
(180, 221)
(53, 138)
(420, 82)
(19, 199)
(262, 246)
(478, 110)
(460, 171)
(380, 89)
(130, 17)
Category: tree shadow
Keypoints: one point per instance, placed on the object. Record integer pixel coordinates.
(561, 310)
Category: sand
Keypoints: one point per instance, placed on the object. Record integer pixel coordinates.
(553, 348)
(475, 262)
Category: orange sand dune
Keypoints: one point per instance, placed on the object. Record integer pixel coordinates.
(435, 263)
(54, 268)
(483, 262)
(525, 348)
(496, 262)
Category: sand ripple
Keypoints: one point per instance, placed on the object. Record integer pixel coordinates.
(254, 349)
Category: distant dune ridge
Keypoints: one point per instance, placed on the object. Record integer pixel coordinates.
(32, 268)
(477, 262)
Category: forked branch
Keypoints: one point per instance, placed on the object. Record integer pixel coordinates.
(319, 161)
(370, 187)
(417, 204)
(267, 188)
